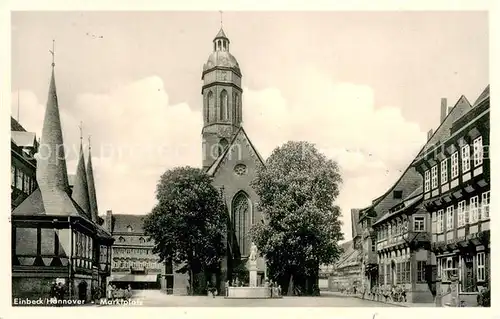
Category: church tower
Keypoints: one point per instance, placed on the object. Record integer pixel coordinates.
(222, 111)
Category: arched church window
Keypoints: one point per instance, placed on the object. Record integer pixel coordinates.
(224, 45)
(237, 108)
(240, 217)
(219, 45)
(223, 105)
(210, 106)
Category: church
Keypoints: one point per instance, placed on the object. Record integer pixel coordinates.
(229, 156)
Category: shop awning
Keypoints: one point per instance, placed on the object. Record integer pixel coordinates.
(133, 278)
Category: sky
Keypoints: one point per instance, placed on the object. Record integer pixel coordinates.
(365, 87)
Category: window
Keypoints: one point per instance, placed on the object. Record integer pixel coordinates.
(461, 214)
(427, 185)
(13, 176)
(439, 221)
(449, 218)
(478, 151)
(434, 176)
(418, 223)
(421, 271)
(141, 240)
(121, 239)
(444, 171)
(26, 184)
(481, 276)
(399, 277)
(19, 179)
(448, 268)
(474, 209)
(398, 194)
(129, 228)
(454, 165)
(465, 158)
(485, 205)
(407, 272)
(374, 246)
(434, 222)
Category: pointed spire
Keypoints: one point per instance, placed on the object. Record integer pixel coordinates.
(91, 185)
(51, 161)
(81, 189)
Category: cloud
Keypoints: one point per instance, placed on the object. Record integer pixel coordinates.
(137, 135)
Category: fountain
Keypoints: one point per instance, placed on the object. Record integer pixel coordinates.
(252, 291)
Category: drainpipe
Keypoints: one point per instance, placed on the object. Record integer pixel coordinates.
(70, 270)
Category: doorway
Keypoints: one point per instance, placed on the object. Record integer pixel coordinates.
(82, 291)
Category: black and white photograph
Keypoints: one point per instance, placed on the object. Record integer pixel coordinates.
(230, 158)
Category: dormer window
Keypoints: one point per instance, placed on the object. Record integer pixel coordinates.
(141, 240)
(121, 240)
(129, 228)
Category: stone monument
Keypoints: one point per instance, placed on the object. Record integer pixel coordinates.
(252, 265)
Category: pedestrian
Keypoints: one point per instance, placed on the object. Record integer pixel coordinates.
(227, 288)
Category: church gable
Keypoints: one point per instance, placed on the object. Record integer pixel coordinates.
(238, 153)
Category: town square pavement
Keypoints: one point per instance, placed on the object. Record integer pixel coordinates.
(155, 298)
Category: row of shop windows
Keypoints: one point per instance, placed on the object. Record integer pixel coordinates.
(431, 178)
(469, 269)
(21, 180)
(466, 214)
(397, 273)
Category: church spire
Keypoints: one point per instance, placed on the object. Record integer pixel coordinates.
(51, 162)
(91, 186)
(80, 189)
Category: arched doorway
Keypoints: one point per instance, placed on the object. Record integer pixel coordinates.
(241, 211)
(82, 290)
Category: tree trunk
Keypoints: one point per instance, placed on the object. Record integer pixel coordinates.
(290, 286)
(191, 279)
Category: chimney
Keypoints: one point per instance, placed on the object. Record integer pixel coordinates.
(108, 221)
(429, 134)
(444, 109)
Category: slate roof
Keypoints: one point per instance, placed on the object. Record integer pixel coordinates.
(122, 221)
(15, 126)
(216, 164)
(483, 96)
(221, 34)
(91, 186)
(80, 192)
(51, 198)
(355, 226)
(349, 257)
(411, 180)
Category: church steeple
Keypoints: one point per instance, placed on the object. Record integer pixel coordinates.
(222, 109)
(81, 189)
(51, 169)
(92, 193)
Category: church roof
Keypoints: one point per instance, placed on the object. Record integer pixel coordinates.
(221, 59)
(216, 164)
(221, 34)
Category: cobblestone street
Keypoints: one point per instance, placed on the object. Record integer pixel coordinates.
(154, 298)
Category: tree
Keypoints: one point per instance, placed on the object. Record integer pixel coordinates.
(188, 223)
(301, 227)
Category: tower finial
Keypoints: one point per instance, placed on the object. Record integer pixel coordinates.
(89, 142)
(220, 19)
(81, 131)
(52, 52)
